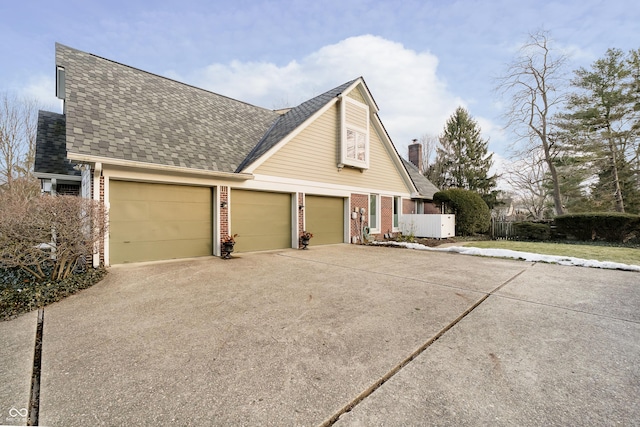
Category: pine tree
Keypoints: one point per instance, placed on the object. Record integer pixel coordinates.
(463, 159)
(602, 112)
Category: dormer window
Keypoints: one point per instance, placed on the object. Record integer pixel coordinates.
(354, 133)
(356, 145)
(60, 83)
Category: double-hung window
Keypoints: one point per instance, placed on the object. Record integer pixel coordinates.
(397, 205)
(374, 218)
(354, 133)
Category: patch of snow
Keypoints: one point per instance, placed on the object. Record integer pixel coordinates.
(526, 256)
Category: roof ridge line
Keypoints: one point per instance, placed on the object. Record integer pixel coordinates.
(162, 77)
(244, 162)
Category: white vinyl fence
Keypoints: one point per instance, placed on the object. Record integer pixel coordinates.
(428, 225)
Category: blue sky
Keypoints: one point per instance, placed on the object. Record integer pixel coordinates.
(420, 59)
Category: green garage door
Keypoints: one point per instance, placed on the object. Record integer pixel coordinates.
(324, 217)
(262, 220)
(149, 222)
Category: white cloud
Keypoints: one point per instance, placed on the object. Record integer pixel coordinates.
(501, 167)
(412, 98)
(42, 90)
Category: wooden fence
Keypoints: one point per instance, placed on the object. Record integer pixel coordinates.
(501, 230)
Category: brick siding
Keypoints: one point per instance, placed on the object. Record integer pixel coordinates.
(101, 249)
(408, 206)
(224, 212)
(386, 214)
(431, 208)
(358, 201)
(300, 215)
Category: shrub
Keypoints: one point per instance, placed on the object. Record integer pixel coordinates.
(49, 235)
(528, 230)
(21, 292)
(472, 213)
(609, 226)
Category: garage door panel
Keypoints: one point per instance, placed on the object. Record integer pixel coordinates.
(324, 217)
(158, 221)
(159, 231)
(262, 220)
(139, 191)
(185, 211)
(159, 250)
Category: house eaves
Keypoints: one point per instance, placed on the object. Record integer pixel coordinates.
(83, 158)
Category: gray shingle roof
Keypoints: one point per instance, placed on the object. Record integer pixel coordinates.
(116, 111)
(51, 149)
(425, 188)
(120, 112)
(289, 121)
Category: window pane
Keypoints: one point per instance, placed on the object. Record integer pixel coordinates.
(351, 144)
(373, 211)
(356, 145)
(362, 146)
(396, 211)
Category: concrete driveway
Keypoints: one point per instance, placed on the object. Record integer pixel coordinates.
(344, 335)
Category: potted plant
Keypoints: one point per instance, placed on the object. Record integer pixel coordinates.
(304, 239)
(226, 245)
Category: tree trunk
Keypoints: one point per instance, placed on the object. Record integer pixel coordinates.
(557, 200)
(616, 179)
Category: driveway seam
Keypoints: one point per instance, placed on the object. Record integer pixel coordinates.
(604, 316)
(34, 398)
(367, 392)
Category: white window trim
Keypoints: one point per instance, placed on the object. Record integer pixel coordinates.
(393, 212)
(344, 160)
(374, 228)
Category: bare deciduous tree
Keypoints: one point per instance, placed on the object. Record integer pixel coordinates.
(49, 235)
(429, 149)
(527, 177)
(534, 82)
(18, 123)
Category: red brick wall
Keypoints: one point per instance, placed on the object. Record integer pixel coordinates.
(431, 208)
(224, 212)
(408, 206)
(358, 201)
(300, 214)
(386, 214)
(101, 249)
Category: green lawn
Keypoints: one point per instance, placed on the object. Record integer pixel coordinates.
(599, 253)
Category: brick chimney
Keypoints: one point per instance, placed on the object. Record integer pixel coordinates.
(415, 154)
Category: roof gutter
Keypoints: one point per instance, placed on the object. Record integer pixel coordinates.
(45, 175)
(420, 196)
(84, 158)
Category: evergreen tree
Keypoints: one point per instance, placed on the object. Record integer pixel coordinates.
(463, 160)
(604, 121)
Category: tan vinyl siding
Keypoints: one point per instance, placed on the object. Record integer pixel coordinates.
(313, 155)
(357, 95)
(356, 115)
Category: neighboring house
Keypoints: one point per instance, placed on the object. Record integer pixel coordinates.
(180, 167)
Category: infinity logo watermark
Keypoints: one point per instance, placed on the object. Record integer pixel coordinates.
(15, 413)
(19, 415)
